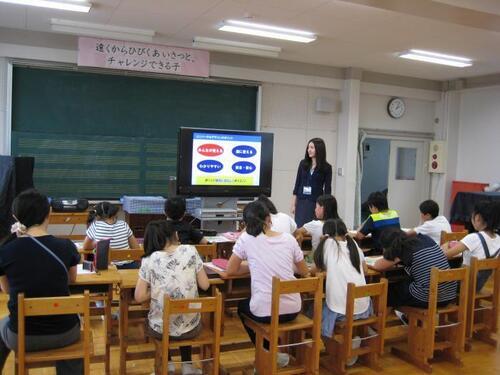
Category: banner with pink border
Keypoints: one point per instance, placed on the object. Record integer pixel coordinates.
(154, 58)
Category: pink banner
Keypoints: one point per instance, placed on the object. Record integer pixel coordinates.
(115, 54)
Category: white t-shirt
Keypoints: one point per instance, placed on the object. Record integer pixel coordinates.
(475, 248)
(173, 274)
(315, 229)
(340, 272)
(268, 257)
(283, 223)
(433, 228)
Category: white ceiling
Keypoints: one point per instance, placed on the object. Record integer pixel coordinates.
(351, 33)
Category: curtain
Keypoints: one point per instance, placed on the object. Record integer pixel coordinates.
(359, 177)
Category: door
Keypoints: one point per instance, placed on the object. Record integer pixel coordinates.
(407, 183)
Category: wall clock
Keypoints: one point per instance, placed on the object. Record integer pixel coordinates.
(396, 107)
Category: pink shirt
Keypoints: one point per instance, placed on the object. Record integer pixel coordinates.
(268, 257)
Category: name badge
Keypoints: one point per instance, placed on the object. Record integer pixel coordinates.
(307, 190)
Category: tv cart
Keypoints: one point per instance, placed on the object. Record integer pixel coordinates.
(219, 214)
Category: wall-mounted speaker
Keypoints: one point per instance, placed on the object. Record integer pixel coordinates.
(326, 105)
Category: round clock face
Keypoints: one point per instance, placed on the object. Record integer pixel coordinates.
(396, 107)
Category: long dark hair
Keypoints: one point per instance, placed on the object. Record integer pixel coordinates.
(157, 234)
(321, 163)
(102, 211)
(397, 244)
(329, 204)
(490, 213)
(254, 216)
(336, 228)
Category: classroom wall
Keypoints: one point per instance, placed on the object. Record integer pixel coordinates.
(289, 90)
(478, 158)
(419, 115)
(289, 112)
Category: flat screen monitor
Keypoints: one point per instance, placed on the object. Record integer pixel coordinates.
(213, 162)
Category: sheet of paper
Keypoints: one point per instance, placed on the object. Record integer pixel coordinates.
(217, 239)
(372, 260)
(81, 271)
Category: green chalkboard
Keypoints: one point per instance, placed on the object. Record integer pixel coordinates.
(103, 136)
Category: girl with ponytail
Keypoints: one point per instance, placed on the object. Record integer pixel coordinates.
(485, 243)
(418, 255)
(103, 224)
(342, 260)
(267, 253)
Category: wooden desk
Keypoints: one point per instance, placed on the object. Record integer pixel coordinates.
(128, 281)
(101, 282)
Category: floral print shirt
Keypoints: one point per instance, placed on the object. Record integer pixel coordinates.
(173, 274)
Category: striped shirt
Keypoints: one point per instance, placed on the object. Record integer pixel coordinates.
(428, 255)
(119, 233)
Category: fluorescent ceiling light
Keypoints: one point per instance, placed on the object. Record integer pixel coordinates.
(75, 5)
(235, 47)
(101, 31)
(267, 31)
(436, 58)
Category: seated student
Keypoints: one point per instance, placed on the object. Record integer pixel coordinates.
(269, 254)
(326, 208)
(344, 263)
(103, 224)
(418, 255)
(280, 221)
(176, 270)
(38, 265)
(486, 221)
(175, 209)
(381, 218)
(432, 224)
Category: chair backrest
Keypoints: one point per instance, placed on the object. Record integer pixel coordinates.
(460, 275)
(117, 255)
(452, 236)
(76, 304)
(306, 285)
(378, 294)
(188, 306)
(207, 252)
(73, 237)
(476, 265)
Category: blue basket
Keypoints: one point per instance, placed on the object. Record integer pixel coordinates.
(193, 206)
(143, 205)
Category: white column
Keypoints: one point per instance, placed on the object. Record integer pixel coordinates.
(452, 128)
(345, 179)
(4, 107)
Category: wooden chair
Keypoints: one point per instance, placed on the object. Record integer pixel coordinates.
(72, 237)
(117, 255)
(483, 307)
(208, 340)
(305, 332)
(452, 236)
(207, 252)
(437, 328)
(339, 347)
(77, 304)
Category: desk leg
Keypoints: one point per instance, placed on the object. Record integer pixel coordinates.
(107, 329)
(124, 302)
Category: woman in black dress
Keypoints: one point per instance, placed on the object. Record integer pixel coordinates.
(314, 178)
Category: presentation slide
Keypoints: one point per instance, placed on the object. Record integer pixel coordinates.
(226, 159)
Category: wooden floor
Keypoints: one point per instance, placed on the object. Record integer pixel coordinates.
(483, 359)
